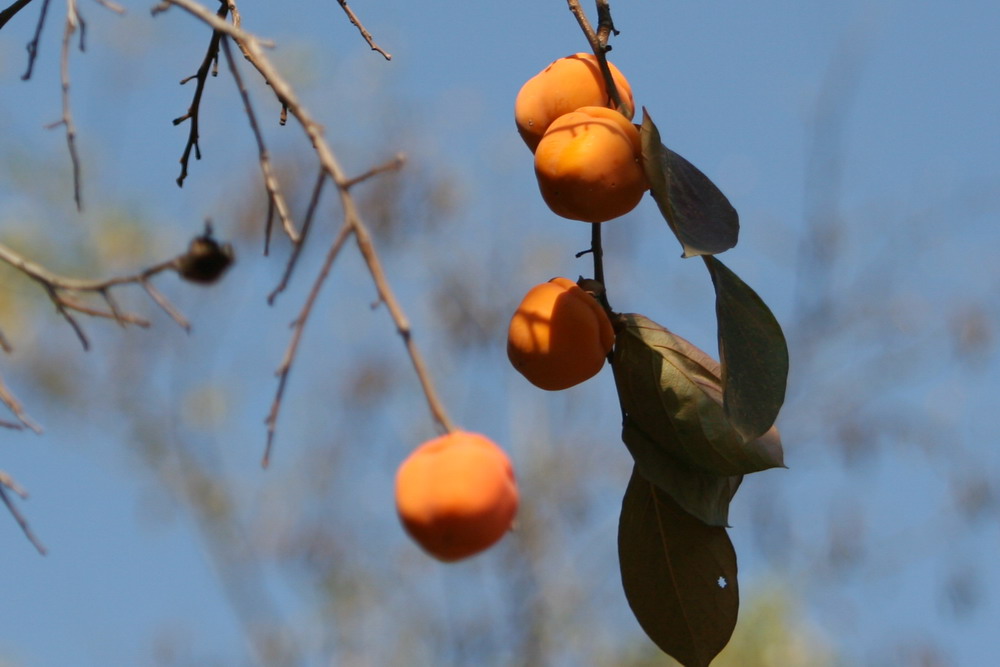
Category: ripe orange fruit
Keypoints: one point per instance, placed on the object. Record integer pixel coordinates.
(566, 85)
(559, 336)
(589, 165)
(456, 495)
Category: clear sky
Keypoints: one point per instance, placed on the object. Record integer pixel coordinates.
(904, 163)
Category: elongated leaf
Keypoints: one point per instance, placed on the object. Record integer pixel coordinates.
(699, 214)
(753, 352)
(672, 393)
(679, 575)
(701, 494)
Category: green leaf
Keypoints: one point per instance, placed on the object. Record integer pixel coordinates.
(753, 352)
(671, 391)
(679, 575)
(699, 214)
(701, 494)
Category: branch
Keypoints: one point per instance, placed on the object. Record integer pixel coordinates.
(364, 33)
(352, 218)
(33, 44)
(200, 77)
(7, 482)
(73, 19)
(275, 197)
(599, 45)
(61, 290)
(9, 13)
(8, 399)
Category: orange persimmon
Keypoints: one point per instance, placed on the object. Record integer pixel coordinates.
(566, 85)
(559, 335)
(456, 495)
(589, 165)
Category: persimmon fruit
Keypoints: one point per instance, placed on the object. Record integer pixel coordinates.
(456, 495)
(589, 165)
(559, 335)
(564, 86)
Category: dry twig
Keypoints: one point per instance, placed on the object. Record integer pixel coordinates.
(352, 17)
(9, 13)
(8, 482)
(353, 223)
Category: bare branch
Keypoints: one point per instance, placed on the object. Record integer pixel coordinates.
(111, 6)
(200, 77)
(364, 33)
(293, 258)
(73, 20)
(7, 482)
(33, 44)
(277, 199)
(60, 290)
(9, 13)
(14, 405)
(298, 327)
(394, 164)
(352, 217)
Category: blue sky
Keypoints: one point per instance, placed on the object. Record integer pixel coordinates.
(735, 88)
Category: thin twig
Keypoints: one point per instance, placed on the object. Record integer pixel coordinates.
(9, 13)
(394, 164)
(14, 405)
(293, 258)
(298, 327)
(7, 482)
(352, 217)
(112, 6)
(364, 33)
(277, 199)
(200, 77)
(73, 20)
(33, 44)
(59, 288)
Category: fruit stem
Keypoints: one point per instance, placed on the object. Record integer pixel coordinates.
(598, 252)
(599, 45)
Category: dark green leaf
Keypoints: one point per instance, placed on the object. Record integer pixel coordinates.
(699, 214)
(679, 575)
(753, 353)
(671, 391)
(701, 494)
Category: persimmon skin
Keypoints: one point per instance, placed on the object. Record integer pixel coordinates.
(456, 495)
(564, 86)
(589, 165)
(559, 335)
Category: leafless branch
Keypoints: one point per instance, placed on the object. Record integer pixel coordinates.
(352, 218)
(364, 33)
(7, 482)
(9, 13)
(61, 291)
(111, 6)
(33, 44)
(73, 21)
(14, 405)
(298, 327)
(293, 258)
(200, 77)
(277, 199)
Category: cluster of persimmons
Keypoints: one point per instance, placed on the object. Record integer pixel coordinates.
(456, 495)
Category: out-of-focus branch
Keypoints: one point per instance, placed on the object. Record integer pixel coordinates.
(352, 218)
(9, 13)
(352, 17)
(7, 482)
(61, 291)
(73, 21)
(14, 405)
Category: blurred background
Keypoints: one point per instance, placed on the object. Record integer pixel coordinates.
(858, 141)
